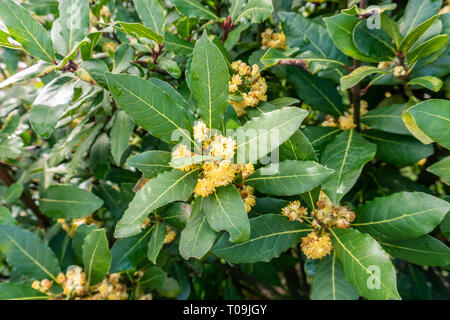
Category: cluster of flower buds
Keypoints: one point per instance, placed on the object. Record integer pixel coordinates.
(75, 223)
(400, 72)
(247, 196)
(75, 286)
(270, 39)
(218, 170)
(247, 87)
(170, 235)
(345, 122)
(318, 243)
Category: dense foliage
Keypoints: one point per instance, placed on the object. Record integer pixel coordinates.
(213, 149)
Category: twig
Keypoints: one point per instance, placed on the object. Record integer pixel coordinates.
(299, 63)
(6, 178)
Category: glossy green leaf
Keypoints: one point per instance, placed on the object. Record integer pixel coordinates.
(121, 131)
(151, 14)
(367, 267)
(297, 147)
(27, 31)
(329, 281)
(153, 278)
(346, 155)
(78, 239)
(210, 81)
(138, 30)
(19, 291)
(6, 217)
(388, 118)
(416, 12)
(167, 187)
(156, 241)
(272, 234)
(148, 105)
(441, 169)
(13, 193)
(349, 81)
(424, 251)
(151, 163)
(96, 256)
(263, 134)
(427, 48)
(433, 118)
(179, 46)
(68, 201)
(401, 216)
(225, 210)
(398, 149)
(33, 71)
(197, 237)
(93, 71)
(6, 41)
(27, 254)
(193, 8)
(50, 104)
(418, 31)
(319, 93)
(99, 156)
(373, 42)
(177, 214)
(431, 83)
(255, 10)
(293, 178)
(123, 56)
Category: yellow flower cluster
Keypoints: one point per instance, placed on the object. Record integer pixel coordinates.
(399, 72)
(326, 216)
(74, 286)
(247, 196)
(213, 173)
(316, 247)
(345, 122)
(270, 39)
(75, 223)
(170, 235)
(248, 83)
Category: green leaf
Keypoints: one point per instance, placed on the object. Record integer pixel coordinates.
(28, 32)
(431, 83)
(351, 80)
(392, 29)
(418, 31)
(401, 216)
(171, 66)
(130, 252)
(398, 149)
(210, 81)
(367, 267)
(197, 237)
(225, 210)
(96, 256)
(373, 42)
(19, 291)
(346, 155)
(123, 56)
(272, 234)
(179, 46)
(31, 72)
(424, 251)
(5, 41)
(433, 118)
(416, 12)
(340, 27)
(99, 156)
(441, 169)
(329, 281)
(319, 93)
(193, 8)
(13, 193)
(121, 131)
(177, 214)
(388, 118)
(93, 71)
(151, 163)
(263, 134)
(293, 178)
(50, 104)
(167, 187)
(151, 14)
(149, 106)
(73, 24)
(255, 10)
(27, 254)
(153, 278)
(78, 239)
(138, 30)
(297, 147)
(10, 147)
(156, 241)
(10, 124)
(86, 50)
(6, 217)
(427, 48)
(68, 202)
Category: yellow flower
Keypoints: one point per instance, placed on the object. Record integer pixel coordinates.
(246, 170)
(330, 121)
(399, 72)
(315, 247)
(183, 152)
(294, 211)
(170, 235)
(204, 188)
(270, 39)
(222, 147)
(200, 131)
(247, 196)
(346, 122)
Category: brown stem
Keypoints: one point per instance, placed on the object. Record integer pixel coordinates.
(299, 63)
(6, 178)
